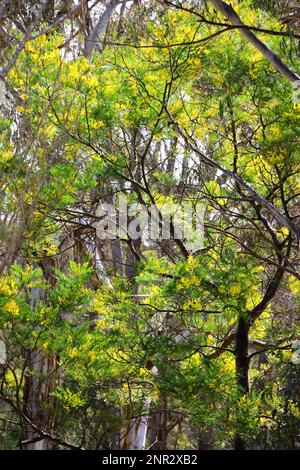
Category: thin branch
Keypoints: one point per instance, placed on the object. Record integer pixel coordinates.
(281, 218)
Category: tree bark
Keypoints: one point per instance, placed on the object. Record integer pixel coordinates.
(158, 427)
(242, 366)
(93, 38)
(135, 433)
(241, 351)
(38, 402)
(37, 399)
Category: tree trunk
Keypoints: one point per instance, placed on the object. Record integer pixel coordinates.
(158, 427)
(242, 366)
(242, 359)
(38, 403)
(93, 38)
(134, 435)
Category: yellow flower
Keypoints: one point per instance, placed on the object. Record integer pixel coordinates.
(151, 77)
(10, 379)
(276, 158)
(92, 81)
(12, 307)
(253, 299)
(195, 281)
(53, 57)
(188, 282)
(5, 287)
(110, 88)
(84, 64)
(74, 71)
(276, 132)
(283, 233)
(193, 305)
(21, 109)
(6, 155)
(98, 124)
(191, 263)
(73, 352)
(294, 285)
(235, 290)
(258, 269)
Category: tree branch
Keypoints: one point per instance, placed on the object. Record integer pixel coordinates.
(273, 58)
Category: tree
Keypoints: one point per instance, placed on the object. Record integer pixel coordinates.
(136, 335)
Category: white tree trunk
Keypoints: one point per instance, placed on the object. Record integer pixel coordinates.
(134, 435)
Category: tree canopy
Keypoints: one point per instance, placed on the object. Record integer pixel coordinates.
(144, 335)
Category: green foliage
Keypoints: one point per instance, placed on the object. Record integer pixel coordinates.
(165, 334)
